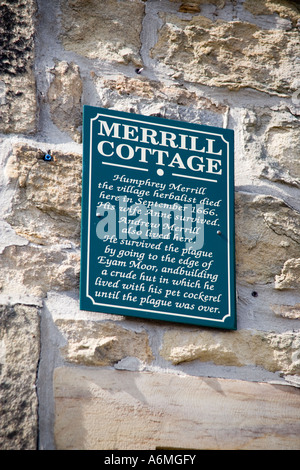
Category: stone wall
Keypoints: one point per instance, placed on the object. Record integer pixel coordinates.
(72, 379)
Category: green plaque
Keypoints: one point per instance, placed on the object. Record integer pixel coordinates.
(157, 238)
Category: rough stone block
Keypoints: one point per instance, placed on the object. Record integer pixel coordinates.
(271, 142)
(35, 270)
(284, 8)
(233, 54)
(109, 30)
(274, 352)
(64, 97)
(107, 409)
(287, 311)
(19, 357)
(46, 207)
(18, 104)
(290, 275)
(265, 225)
(102, 343)
(148, 97)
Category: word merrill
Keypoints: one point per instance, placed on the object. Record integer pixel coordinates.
(171, 158)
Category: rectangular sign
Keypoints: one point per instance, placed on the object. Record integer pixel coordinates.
(157, 236)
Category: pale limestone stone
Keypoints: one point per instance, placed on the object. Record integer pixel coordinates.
(287, 311)
(283, 146)
(148, 97)
(18, 105)
(109, 30)
(19, 358)
(290, 275)
(102, 343)
(273, 352)
(35, 270)
(284, 222)
(271, 142)
(64, 97)
(284, 8)
(46, 207)
(9, 237)
(231, 54)
(264, 225)
(108, 409)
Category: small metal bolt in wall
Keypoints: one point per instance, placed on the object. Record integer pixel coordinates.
(254, 294)
(219, 232)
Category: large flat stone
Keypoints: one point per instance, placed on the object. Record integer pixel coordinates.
(107, 409)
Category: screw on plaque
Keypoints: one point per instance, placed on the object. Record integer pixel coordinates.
(219, 232)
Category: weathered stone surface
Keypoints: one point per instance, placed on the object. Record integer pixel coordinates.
(231, 54)
(64, 98)
(19, 356)
(265, 225)
(284, 8)
(290, 275)
(102, 344)
(46, 208)
(35, 270)
(105, 409)
(17, 83)
(283, 147)
(271, 141)
(287, 311)
(273, 352)
(148, 97)
(8, 236)
(109, 30)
